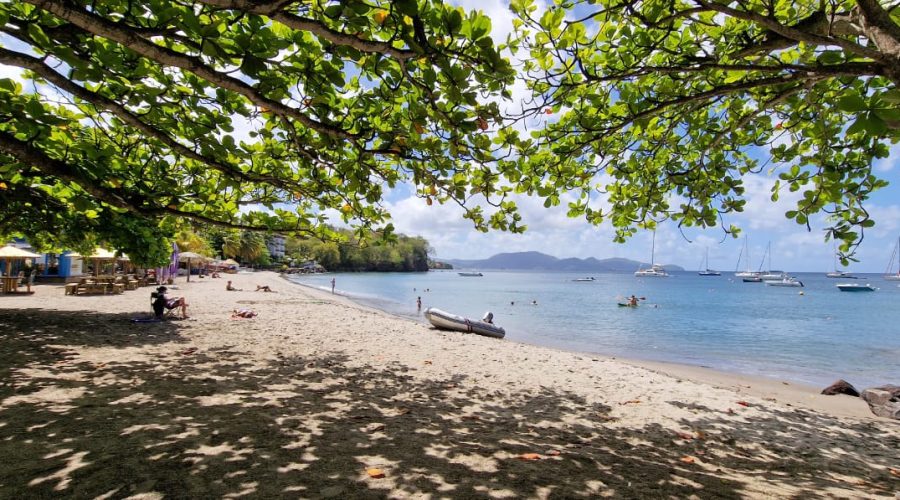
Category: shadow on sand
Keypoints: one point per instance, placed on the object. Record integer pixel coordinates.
(204, 424)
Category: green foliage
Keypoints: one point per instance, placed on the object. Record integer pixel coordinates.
(151, 110)
(400, 253)
(189, 241)
(248, 247)
(663, 107)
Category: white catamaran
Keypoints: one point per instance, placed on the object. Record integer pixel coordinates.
(770, 274)
(655, 270)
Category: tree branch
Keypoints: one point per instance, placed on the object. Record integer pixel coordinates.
(102, 27)
(275, 12)
(793, 33)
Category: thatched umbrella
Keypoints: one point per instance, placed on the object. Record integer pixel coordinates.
(10, 253)
(188, 257)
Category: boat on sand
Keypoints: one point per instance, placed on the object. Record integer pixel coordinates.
(447, 321)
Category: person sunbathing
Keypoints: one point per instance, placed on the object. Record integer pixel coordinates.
(244, 313)
(264, 288)
(231, 288)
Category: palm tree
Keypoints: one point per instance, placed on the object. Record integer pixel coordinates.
(247, 246)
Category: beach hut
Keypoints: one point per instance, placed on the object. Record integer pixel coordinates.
(125, 262)
(101, 257)
(8, 254)
(188, 257)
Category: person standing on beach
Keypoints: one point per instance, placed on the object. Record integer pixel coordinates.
(332, 285)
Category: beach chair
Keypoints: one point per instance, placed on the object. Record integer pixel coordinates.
(166, 312)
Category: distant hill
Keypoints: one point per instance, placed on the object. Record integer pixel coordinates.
(536, 261)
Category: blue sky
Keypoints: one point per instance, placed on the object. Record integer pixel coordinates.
(552, 232)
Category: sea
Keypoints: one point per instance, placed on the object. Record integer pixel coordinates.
(812, 335)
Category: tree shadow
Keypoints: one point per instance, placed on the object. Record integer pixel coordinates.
(216, 423)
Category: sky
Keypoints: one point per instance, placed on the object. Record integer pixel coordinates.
(550, 231)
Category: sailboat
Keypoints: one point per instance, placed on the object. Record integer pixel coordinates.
(836, 273)
(769, 274)
(655, 270)
(748, 273)
(889, 274)
(706, 270)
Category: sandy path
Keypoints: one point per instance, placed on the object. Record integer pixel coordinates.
(304, 399)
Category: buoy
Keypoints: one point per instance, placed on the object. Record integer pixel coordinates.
(801, 293)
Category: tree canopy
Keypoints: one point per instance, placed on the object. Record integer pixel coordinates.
(263, 115)
(675, 102)
(141, 113)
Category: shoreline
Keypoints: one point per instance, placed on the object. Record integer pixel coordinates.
(790, 393)
(321, 397)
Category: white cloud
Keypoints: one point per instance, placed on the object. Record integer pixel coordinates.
(888, 164)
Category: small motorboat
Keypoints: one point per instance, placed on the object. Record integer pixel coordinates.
(447, 321)
(855, 287)
(840, 274)
(470, 275)
(584, 279)
(752, 279)
(789, 281)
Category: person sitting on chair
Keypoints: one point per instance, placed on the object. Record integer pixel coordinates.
(231, 288)
(264, 288)
(161, 303)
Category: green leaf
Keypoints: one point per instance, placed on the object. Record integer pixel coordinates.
(852, 103)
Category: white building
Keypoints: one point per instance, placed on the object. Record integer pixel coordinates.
(275, 244)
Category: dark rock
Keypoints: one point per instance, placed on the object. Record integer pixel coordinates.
(884, 401)
(840, 387)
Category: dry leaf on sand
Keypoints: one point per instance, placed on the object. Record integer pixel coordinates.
(375, 473)
(530, 456)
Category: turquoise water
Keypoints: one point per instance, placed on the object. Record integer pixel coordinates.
(715, 322)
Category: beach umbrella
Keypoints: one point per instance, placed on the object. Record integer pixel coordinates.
(229, 262)
(188, 257)
(10, 253)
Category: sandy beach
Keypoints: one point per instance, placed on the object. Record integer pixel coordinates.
(318, 397)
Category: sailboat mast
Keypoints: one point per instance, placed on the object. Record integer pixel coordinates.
(747, 246)
(653, 250)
